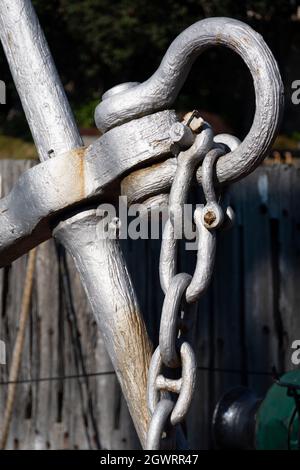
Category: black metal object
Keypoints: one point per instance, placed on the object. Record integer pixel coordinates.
(233, 424)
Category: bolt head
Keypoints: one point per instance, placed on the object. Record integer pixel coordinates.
(209, 217)
(212, 216)
(181, 135)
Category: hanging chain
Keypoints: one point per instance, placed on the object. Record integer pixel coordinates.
(172, 369)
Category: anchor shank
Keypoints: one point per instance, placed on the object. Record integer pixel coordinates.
(112, 297)
(54, 131)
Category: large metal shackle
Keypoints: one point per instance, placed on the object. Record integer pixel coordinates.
(130, 101)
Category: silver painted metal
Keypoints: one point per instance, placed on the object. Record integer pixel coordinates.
(148, 182)
(119, 89)
(229, 219)
(229, 140)
(53, 128)
(208, 171)
(212, 212)
(43, 98)
(153, 394)
(232, 143)
(181, 287)
(13, 48)
(206, 253)
(160, 90)
(182, 135)
(159, 203)
(188, 382)
(56, 185)
(158, 423)
(108, 286)
(169, 319)
(186, 165)
(207, 220)
(184, 386)
(134, 135)
(158, 178)
(163, 383)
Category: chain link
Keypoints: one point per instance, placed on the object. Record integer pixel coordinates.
(158, 423)
(183, 386)
(187, 163)
(169, 319)
(182, 291)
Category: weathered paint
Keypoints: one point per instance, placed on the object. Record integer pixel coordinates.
(111, 294)
(44, 192)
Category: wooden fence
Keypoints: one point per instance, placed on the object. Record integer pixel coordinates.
(245, 325)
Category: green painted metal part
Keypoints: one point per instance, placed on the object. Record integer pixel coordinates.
(277, 424)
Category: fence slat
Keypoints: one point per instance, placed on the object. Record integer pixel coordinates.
(246, 322)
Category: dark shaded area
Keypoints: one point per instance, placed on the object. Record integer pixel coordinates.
(98, 43)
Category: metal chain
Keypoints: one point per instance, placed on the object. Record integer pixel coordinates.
(182, 291)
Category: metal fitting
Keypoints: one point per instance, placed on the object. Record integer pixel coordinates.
(212, 216)
(181, 135)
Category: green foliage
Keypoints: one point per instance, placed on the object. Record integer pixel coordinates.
(16, 148)
(296, 136)
(84, 114)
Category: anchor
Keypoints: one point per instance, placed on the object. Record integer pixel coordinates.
(138, 154)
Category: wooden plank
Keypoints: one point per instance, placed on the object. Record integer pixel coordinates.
(46, 331)
(246, 321)
(289, 262)
(10, 316)
(228, 334)
(260, 329)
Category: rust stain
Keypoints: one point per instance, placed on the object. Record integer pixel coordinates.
(138, 185)
(143, 171)
(235, 43)
(246, 39)
(134, 363)
(9, 40)
(79, 154)
(137, 176)
(210, 217)
(218, 39)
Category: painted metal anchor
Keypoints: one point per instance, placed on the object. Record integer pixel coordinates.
(59, 196)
